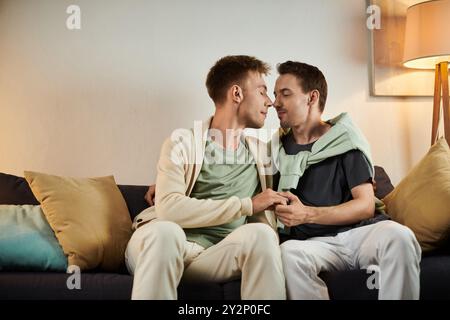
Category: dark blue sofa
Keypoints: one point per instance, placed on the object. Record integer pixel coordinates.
(435, 266)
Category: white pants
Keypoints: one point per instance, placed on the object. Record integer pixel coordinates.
(158, 255)
(388, 245)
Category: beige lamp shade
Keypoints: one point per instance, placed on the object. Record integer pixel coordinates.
(427, 35)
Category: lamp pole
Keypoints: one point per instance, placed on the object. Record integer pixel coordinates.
(441, 92)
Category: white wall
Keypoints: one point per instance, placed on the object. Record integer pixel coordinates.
(101, 100)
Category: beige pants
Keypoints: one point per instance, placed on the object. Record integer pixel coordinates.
(158, 255)
(389, 247)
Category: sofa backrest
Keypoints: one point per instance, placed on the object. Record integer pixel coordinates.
(134, 197)
(383, 185)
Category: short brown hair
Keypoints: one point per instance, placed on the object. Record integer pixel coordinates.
(231, 70)
(309, 77)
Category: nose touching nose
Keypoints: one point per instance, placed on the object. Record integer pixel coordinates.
(275, 103)
(269, 103)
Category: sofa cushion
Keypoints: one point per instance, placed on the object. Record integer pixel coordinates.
(232, 290)
(349, 285)
(342, 285)
(421, 200)
(53, 286)
(27, 242)
(435, 277)
(89, 216)
(96, 286)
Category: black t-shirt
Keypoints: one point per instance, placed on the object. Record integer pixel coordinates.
(327, 183)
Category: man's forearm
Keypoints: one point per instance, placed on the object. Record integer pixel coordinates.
(195, 213)
(349, 212)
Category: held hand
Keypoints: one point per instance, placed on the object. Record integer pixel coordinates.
(267, 199)
(293, 214)
(150, 195)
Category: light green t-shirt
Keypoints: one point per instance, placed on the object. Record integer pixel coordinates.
(224, 173)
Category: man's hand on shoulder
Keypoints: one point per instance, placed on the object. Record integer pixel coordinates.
(150, 195)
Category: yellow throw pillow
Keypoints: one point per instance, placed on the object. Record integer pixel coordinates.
(421, 201)
(89, 217)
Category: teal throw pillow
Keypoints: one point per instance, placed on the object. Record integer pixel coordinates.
(27, 243)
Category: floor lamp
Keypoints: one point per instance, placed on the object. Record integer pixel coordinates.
(427, 46)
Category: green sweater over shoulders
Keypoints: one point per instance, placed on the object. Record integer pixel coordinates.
(342, 137)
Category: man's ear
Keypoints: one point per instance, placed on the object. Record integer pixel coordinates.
(313, 97)
(236, 94)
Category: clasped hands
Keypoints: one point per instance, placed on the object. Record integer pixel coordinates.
(287, 206)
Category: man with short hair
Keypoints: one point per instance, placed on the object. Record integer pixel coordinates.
(210, 183)
(326, 172)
